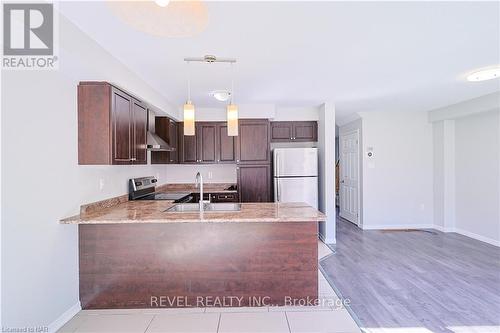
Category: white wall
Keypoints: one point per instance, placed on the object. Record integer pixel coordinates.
(296, 113)
(438, 171)
(477, 175)
(326, 171)
(254, 111)
(398, 180)
(269, 111)
(183, 173)
(44, 182)
(467, 168)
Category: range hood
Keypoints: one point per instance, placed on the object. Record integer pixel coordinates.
(155, 143)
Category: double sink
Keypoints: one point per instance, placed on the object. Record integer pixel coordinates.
(207, 207)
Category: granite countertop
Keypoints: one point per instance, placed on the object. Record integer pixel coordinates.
(145, 211)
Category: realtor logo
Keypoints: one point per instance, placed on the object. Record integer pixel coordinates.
(28, 36)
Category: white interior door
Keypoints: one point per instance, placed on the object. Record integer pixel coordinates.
(349, 176)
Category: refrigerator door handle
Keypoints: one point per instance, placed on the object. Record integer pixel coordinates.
(278, 189)
(277, 164)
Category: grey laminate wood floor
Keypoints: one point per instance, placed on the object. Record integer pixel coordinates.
(416, 281)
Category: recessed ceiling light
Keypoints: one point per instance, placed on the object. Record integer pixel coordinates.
(485, 74)
(162, 3)
(221, 95)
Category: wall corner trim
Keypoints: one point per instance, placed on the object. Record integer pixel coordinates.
(65, 317)
(327, 240)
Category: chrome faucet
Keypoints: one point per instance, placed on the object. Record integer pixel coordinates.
(199, 182)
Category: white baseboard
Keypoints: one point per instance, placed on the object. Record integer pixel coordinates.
(436, 227)
(469, 234)
(65, 317)
(397, 226)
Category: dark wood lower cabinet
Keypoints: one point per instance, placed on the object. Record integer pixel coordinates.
(254, 183)
(147, 265)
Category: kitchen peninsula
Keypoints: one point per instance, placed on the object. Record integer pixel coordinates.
(135, 252)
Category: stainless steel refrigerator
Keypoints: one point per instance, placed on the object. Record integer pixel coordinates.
(295, 175)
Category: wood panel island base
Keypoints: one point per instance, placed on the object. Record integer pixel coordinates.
(128, 260)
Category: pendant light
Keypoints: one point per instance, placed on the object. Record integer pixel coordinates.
(232, 111)
(189, 110)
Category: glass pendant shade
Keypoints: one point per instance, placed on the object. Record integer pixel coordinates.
(232, 120)
(188, 118)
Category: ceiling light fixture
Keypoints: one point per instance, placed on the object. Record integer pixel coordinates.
(221, 95)
(163, 18)
(162, 3)
(232, 111)
(484, 74)
(189, 110)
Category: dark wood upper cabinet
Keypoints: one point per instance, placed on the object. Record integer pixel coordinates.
(111, 126)
(140, 123)
(173, 141)
(206, 141)
(210, 144)
(226, 145)
(254, 183)
(166, 129)
(305, 131)
(281, 131)
(122, 127)
(253, 142)
(294, 131)
(187, 146)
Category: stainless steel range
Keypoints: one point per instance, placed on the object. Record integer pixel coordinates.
(144, 188)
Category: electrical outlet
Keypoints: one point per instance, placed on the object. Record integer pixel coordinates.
(210, 175)
(101, 184)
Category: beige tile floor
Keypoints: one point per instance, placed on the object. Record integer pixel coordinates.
(326, 318)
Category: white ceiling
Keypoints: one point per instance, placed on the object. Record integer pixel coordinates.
(364, 56)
